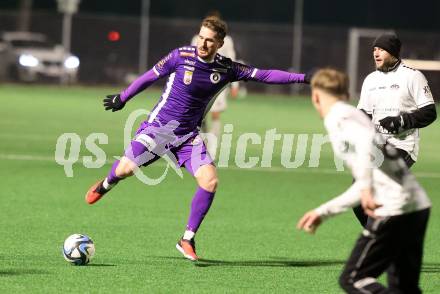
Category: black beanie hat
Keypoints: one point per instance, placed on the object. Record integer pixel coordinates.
(390, 43)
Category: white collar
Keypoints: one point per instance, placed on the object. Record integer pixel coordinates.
(205, 61)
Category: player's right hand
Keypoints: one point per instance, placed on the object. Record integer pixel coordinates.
(113, 102)
(392, 124)
(309, 222)
(368, 203)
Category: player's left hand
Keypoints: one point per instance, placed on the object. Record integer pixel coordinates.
(309, 75)
(392, 124)
(113, 102)
(309, 222)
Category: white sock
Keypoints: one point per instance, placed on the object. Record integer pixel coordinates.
(188, 235)
(106, 185)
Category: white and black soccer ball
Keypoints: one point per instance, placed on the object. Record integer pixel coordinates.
(78, 249)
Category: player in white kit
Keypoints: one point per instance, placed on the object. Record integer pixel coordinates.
(398, 100)
(397, 205)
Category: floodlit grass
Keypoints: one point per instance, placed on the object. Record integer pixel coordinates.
(248, 241)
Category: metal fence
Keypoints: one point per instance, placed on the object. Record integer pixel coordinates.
(260, 44)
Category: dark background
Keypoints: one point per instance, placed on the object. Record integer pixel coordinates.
(398, 14)
(262, 32)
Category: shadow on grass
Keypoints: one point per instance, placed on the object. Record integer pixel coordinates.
(269, 263)
(272, 262)
(430, 267)
(20, 272)
(101, 264)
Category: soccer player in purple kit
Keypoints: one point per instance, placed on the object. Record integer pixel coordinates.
(195, 75)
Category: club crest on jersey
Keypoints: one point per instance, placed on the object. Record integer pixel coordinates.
(187, 77)
(215, 77)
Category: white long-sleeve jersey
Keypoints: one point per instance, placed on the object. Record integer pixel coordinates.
(402, 90)
(373, 165)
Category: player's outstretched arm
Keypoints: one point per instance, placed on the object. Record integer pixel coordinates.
(115, 102)
(140, 84)
(274, 76)
(312, 219)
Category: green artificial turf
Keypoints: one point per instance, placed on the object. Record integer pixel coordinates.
(248, 242)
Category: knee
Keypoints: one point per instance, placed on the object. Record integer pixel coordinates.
(206, 177)
(125, 168)
(210, 184)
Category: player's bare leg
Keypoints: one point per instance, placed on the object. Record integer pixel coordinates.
(207, 180)
(120, 170)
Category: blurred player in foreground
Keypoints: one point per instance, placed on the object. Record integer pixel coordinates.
(195, 75)
(398, 207)
(220, 102)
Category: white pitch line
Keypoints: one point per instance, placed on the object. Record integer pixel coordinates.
(26, 157)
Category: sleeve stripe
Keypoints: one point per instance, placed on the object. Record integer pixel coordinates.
(155, 71)
(426, 103)
(254, 72)
(366, 110)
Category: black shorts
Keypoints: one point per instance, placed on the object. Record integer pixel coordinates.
(393, 242)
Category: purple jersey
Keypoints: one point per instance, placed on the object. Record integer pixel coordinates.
(192, 84)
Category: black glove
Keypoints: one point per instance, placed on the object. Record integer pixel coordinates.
(307, 78)
(309, 75)
(393, 124)
(113, 102)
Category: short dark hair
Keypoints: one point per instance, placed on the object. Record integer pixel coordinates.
(332, 81)
(217, 25)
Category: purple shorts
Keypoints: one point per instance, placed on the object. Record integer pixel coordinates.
(153, 141)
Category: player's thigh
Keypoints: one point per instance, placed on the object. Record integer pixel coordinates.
(193, 154)
(137, 154)
(372, 253)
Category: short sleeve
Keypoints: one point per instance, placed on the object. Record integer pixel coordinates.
(242, 72)
(167, 64)
(420, 91)
(365, 102)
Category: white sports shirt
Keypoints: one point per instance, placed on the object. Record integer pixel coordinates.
(390, 93)
(353, 139)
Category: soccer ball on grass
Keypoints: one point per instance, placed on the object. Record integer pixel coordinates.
(78, 249)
